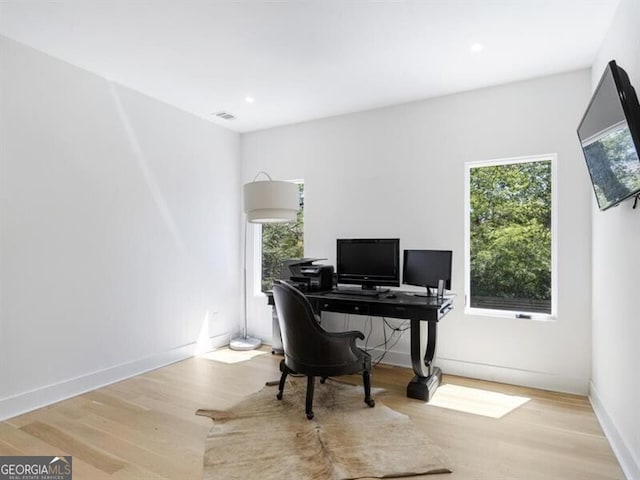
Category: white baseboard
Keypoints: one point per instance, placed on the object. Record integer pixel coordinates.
(399, 359)
(494, 373)
(630, 465)
(46, 395)
(515, 376)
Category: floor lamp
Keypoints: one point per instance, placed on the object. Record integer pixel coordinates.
(265, 201)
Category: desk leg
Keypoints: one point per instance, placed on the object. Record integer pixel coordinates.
(423, 349)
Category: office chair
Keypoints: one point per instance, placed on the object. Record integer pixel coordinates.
(312, 351)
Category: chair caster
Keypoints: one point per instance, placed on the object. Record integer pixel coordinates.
(371, 402)
(310, 416)
(279, 395)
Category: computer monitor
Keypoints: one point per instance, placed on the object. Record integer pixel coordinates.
(425, 268)
(369, 262)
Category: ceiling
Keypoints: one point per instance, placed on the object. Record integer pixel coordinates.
(302, 60)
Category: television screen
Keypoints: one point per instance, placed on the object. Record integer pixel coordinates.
(425, 268)
(369, 262)
(609, 134)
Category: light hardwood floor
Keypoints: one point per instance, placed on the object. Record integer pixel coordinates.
(145, 427)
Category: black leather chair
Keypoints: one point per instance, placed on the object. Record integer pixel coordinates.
(311, 350)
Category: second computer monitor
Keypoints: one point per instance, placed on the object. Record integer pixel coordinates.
(424, 268)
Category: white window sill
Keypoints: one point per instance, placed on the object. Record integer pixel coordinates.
(483, 312)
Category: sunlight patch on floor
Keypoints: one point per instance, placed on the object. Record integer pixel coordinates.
(476, 401)
(226, 355)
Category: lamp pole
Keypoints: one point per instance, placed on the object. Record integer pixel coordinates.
(245, 342)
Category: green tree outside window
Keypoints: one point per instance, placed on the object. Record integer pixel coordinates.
(510, 257)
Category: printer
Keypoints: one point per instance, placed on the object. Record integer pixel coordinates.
(307, 277)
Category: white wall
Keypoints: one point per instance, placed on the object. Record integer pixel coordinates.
(399, 172)
(615, 387)
(119, 231)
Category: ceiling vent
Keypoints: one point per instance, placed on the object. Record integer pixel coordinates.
(225, 116)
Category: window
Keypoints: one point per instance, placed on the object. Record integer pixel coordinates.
(510, 252)
(281, 241)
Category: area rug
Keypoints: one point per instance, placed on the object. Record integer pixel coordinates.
(263, 438)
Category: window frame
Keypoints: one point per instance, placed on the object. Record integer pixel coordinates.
(468, 310)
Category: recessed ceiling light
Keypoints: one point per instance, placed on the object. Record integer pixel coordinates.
(249, 99)
(476, 47)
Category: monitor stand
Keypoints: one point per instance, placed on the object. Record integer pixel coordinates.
(374, 288)
(439, 292)
(426, 294)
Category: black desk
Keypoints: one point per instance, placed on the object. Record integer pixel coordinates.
(424, 314)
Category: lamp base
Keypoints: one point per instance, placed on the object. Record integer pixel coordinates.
(245, 343)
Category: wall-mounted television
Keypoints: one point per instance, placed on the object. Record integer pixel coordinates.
(610, 137)
(369, 262)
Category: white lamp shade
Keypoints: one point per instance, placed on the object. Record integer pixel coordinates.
(271, 201)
